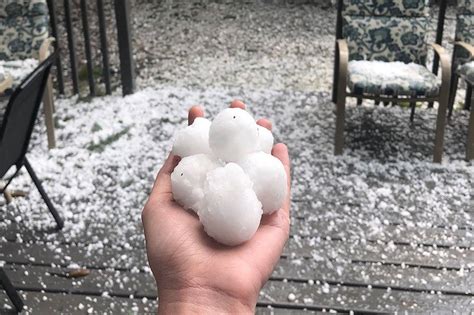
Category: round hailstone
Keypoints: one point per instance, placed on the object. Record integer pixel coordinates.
(194, 139)
(230, 212)
(265, 140)
(269, 179)
(188, 177)
(233, 134)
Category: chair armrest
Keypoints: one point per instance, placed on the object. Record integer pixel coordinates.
(466, 46)
(44, 48)
(343, 63)
(6, 83)
(445, 62)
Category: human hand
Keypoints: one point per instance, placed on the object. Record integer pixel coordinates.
(193, 272)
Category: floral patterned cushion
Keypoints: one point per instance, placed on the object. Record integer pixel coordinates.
(386, 38)
(24, 26)
(385, 7)
(465, 6)
(467, 71)
(391, 78)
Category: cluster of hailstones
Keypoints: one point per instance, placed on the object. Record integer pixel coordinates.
(227, 174)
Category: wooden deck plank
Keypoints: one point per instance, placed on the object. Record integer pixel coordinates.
(380, 252)
(30, 277)
(365, 300)
(340, 210)
(383, 232)
(430, 257)
(314, 297)
(376, 275)
(62, 303)
(334, 229)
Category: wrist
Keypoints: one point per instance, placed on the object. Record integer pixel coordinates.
(201, 301)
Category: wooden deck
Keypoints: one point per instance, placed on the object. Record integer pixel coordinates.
(401, 268)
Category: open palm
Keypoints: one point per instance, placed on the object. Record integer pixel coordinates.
(192, 271)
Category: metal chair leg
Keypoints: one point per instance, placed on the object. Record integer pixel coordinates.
(57, 217)
(468, 101)
(412, 111)
(440, 127)
(11, 291)
(470, 137)
(452, 93)
(340, 122)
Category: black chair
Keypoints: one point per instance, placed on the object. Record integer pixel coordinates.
(17, 126)
(15, 133)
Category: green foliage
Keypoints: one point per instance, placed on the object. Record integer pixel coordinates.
(100, 147)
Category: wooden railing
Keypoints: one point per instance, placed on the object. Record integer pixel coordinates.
(63, 17)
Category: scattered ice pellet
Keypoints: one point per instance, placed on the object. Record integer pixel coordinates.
(233, 134)
(193, 139)
(231, 211)
(187, 179)
(269, 179)
(291, 297)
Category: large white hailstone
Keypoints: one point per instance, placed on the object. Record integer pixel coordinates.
(194, 139)
(188, 177)
(233, 134)
(231, 211)
(265, 140)
(269, 179)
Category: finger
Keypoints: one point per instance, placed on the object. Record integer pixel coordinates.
(194, 112)
(237, 104)
(162, 185)
(280, 151)
(265, 123)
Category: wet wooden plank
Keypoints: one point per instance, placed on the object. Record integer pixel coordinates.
(378, 231)
(348, 211)
(64, 255)
(388, 253)
(62, 303)
(315, 297)
(362, 299)
(311, 248)
(124, 283)
(376, 275)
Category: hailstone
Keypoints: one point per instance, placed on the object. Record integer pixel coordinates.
(265, 140)
(269, 179)
(233, 134)
(194, 139)
(231, 211)
(188, 177)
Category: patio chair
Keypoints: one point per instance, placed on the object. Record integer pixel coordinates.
(381, 55)
(24, 43)
(17, 126)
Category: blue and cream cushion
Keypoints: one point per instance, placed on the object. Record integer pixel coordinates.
(386, 30)
(17, 69)
(23, 28)
(465, 7)
(386, 38)
(466, 71)
(391, 79)
(406, 8)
